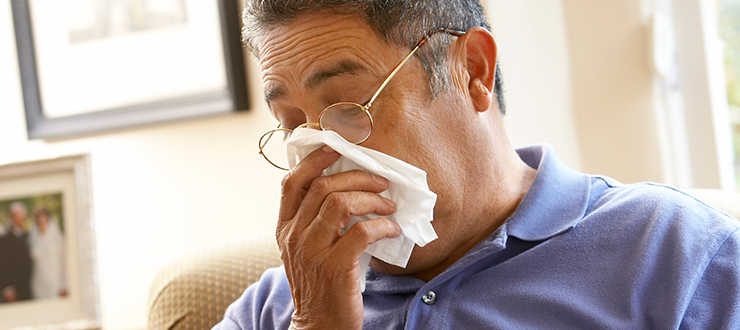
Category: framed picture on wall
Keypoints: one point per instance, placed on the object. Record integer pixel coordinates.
(90, 66)
(47, 249)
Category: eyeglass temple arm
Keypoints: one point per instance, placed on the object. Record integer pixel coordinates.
(393, 73)
(400, 65)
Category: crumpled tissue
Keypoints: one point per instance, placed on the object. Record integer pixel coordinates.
(407, 188)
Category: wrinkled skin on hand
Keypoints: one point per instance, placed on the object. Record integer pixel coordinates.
(322, 265)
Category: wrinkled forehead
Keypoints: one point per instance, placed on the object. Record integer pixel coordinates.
(313, 31)
(311, 43)
(257, 28)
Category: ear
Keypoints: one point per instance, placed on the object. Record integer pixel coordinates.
(480, 56)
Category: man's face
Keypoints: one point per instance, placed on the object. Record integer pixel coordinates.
(321, 59)
(18, 218)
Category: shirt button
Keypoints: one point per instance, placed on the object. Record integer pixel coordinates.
(429, 298)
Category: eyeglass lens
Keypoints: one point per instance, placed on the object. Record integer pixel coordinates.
(273, 146)
(349, 120)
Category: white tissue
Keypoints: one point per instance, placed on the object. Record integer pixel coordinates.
(407, 188)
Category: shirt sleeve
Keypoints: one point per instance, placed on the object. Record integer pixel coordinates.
(715, 303)
(266, 304)
(226, 324)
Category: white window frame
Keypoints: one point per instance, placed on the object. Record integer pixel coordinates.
(704, 93)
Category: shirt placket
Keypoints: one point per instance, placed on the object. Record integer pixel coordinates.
(430, 307)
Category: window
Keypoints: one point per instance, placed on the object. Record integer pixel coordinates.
(729, 29)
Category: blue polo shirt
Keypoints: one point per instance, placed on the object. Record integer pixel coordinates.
(580, 252)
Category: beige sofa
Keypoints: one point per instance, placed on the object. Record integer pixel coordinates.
(193, 291)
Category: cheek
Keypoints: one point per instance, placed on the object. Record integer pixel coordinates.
(396, 131)
(409, 129)
(425, 137)
(415, 142)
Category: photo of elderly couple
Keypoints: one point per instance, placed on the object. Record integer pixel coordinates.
(32, 259)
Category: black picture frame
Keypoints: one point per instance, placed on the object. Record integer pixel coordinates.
(233, 98)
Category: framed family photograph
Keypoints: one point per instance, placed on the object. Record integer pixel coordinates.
(90, 66)
(47, 249)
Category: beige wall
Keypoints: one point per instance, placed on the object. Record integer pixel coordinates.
(157, 190)
(575, 78)
(533, 52)
(613, 95)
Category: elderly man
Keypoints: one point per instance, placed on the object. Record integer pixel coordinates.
(523, 241)
(16, 265)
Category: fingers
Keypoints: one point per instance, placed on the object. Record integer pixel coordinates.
(323, 187)
(318, 208)
(337, 209)
(297, 182)
(353, 243)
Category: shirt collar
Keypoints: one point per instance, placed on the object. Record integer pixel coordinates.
(556, 201)
(554, 204)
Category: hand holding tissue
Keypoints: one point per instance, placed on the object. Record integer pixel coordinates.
(407, 188)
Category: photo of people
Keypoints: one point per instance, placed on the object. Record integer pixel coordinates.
(32, 258)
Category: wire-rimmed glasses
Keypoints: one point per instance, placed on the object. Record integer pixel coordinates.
(350, 120)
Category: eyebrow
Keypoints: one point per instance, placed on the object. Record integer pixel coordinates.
(274, 94)
(343, 67)
(316, 79)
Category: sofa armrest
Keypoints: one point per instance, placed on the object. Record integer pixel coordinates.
(194, 290)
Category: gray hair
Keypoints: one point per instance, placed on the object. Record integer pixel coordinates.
(18, 207)
(400, 22)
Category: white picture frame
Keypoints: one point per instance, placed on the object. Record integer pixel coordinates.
(67, 177)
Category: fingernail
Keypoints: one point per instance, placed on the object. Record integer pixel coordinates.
(379, 179)
(327, 149)
(390, 202)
